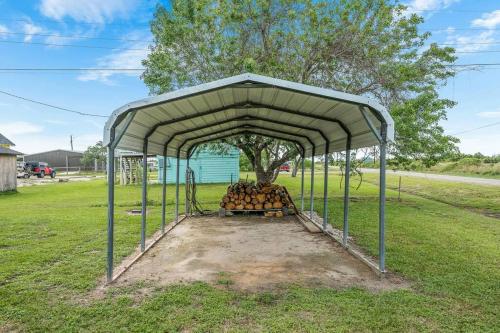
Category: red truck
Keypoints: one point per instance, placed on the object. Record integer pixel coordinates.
(40, 169)
(285, 167)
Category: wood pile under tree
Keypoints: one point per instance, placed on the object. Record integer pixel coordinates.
(248, 196)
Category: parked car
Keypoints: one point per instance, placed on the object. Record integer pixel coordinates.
(285, 167)
(40, 169)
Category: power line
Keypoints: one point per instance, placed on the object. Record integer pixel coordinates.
(52, 106)
(146, 49)
(71, 45)
(135, 23)
(74, 36)
(480, 127)
(472, 43)
(484, 51)
(458, 29)
(70, 69)
(152, 41)
(114, 69)
(474, 65)
(449, 10)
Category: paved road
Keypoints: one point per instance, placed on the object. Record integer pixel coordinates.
(457, 179)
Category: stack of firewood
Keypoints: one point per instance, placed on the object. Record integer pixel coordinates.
(249, 196)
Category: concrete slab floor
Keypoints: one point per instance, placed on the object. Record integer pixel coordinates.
(252, 253)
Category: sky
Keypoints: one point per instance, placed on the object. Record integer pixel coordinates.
(115, 34)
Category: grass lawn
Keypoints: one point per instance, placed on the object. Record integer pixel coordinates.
(53, 254)
(485, 199)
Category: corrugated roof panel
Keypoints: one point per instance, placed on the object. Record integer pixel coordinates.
(283, 105)
(240, 95)
(227, 96)
(255, 94)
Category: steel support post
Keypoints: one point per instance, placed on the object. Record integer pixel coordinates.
(186, 204)
(144, 194)
(381, 220)
(302, 184)
(312, 184)
(164, 191)
(177, 186)
(346, 190)
(325, 189)
(111, 208)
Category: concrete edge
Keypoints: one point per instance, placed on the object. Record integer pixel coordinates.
(154, 241)
(358, 255)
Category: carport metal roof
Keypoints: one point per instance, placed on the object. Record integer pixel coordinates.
(311, 116)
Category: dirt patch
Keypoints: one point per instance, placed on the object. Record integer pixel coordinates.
(252, 253)
(34, 181)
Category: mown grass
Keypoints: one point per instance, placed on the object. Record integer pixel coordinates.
(485, 199)
(53, 238)
(469, 167)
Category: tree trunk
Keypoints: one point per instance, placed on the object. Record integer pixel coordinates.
(268, 176)
(266, 168)
(295, 167)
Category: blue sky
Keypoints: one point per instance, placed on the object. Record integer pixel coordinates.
(473, 27)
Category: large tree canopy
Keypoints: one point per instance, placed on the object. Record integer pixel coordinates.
(370, 48)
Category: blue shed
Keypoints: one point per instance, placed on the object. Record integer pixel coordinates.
(208, 167)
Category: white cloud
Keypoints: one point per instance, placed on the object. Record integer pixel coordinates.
(489, 114)
(29, 143)
(488, 20)
(126, 59)
(55, 38)
(89, 11)
(3, 30)
(29, 30)
(471, 43)
(16, 128)
(56, 122)
(476, 42)
(485, 143)
(35, 143)
(424, 5)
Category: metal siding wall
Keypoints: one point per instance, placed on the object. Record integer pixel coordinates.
(8, 173)
(208, 167)
(57, 158)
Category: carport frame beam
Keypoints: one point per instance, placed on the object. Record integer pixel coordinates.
(111, 210)
(382, 138)
(302, 183)
(311, 204)
(325, 188)
(144, 193)
(345, 230)
(177, 186)
(164, 191)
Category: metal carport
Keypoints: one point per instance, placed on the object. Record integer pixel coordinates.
(317, 120)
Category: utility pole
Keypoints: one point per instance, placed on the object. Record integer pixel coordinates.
(71, 141)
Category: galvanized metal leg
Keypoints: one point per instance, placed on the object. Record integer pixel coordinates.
(186, 204)
(312, 185)
(144, 195)
(111, 209)
(346, 191)
(381, 221)
(325, 189)
(302, 185)
(164, 191)
(177, 188)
